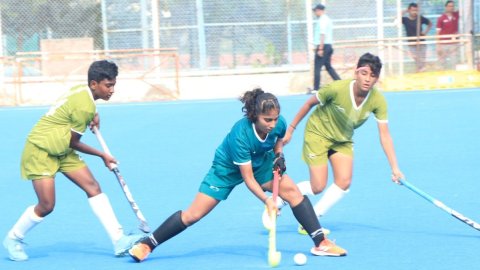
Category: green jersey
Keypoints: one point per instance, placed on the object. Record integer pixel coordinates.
(337, 114)
(72, 112)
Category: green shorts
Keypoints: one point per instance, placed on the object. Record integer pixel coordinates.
(220, 181)
(317, 149)
(37, 163)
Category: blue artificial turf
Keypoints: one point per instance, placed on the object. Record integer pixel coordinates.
(165, 149)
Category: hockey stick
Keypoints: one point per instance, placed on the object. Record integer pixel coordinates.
(274, 256)
(143, 222)
(441, 205)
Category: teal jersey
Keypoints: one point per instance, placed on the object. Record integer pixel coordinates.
(72, 112)
(337, 115)
(243, 146)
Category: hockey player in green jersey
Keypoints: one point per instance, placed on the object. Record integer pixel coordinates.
(52, 147)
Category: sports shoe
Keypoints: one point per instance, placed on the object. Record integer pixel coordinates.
(139, 252)
(15, 249)
(328, 248)
(122, 246)
(302, 231)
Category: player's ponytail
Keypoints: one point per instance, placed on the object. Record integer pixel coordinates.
(256, 102)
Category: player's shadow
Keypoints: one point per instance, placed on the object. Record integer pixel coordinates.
(251, 251)
(68, 249)
(362, 228)
(338, 227)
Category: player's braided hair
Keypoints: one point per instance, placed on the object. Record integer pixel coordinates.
(256, 102)
(371, 61)
(103, 69)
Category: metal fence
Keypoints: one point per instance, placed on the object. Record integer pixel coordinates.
(214, 36)
(209, 34)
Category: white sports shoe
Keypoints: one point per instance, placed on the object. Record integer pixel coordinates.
(328, 248)
(125, 243)
(15, 249)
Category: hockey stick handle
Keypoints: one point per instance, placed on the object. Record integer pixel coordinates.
(104, 145)
(276, 184)
(441, 205)
(274, 256)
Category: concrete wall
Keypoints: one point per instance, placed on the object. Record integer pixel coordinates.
(133, 90)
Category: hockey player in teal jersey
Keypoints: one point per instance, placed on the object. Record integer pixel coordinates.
(52, 147)
(248, 154)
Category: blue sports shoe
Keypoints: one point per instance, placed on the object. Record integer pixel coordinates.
(15, 249)
(125, 243)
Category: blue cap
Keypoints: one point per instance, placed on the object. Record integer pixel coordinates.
(319, 6)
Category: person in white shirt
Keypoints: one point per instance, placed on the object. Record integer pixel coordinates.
(323, 39)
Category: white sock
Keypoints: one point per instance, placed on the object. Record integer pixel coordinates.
(305, 188)
(330, 197)
(25, 223)
(103, 210)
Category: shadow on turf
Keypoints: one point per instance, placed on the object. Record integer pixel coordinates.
(337, 227)
(362, 228)
(67, 249)
(241, 251)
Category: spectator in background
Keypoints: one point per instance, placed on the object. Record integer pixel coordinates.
(447, 24)
(323, 39)
(414, 28)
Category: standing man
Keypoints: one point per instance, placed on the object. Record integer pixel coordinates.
(413, 28)
(323, 39)
(447, 24)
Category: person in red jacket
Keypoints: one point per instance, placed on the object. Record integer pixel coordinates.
(447, 48)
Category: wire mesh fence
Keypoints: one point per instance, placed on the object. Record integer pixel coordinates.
(209, 34)
(215, 36)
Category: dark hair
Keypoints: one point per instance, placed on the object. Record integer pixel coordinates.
(371, 61)
(412, 5)
(100, 70)
(256, 102)
(448, 2)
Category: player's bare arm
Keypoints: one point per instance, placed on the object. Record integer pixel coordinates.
(387, 145)
(249, 179)
(311, 102)
(76, 144)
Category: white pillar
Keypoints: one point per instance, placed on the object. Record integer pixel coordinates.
(105, 25)
(144, 22)
(399, 35)
(309, 17)
(156, 32)
(202, 47)
(380, 32)
(2, 70)
(155, 24)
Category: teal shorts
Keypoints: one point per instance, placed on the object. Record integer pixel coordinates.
(220, 181)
